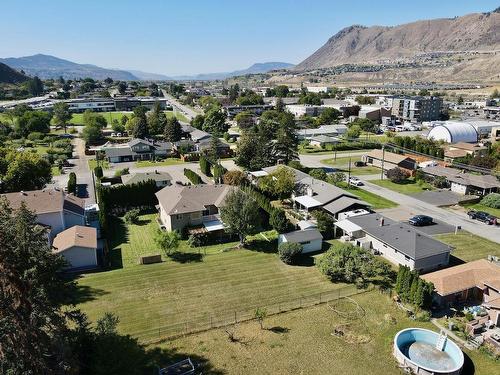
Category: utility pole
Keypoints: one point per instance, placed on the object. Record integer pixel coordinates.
(383, 156)
(349, 173)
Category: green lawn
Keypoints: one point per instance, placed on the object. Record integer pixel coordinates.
(149, 163)
(407, 187)
(93, 163)
(55, 171)
(194, 287)
(302, 342)
(469, 246)
(77, 118)
(482, 207)
(377, 202)
(319, 151)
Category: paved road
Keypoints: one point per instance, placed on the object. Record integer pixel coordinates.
(314, 160)
(187, 111)
(82, 170)
(454, 218)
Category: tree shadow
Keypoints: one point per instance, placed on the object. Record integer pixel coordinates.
(279, 329)
(85, 293)
(181, 257)
(262, 246)
(304, 260)
(142, 222)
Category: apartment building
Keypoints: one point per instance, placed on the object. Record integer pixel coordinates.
(416, 108)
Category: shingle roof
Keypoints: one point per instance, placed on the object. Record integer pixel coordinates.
(388, 156)
(303, 235)
(465, 276)
(342, 204)
(193, 198)
(75, 236)
(400, 236)
(299, 175)
(454, 175)
(46, 201)
(136, 141)
(134, 178)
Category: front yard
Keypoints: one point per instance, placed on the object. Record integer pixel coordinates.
(150, 299)
(409, 186)
(151, 163)
(482, 207)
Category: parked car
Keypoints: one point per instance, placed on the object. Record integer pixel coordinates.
(483, 217)
(355, 181)
(421, 220)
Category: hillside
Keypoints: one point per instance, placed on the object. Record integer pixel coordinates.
(9, 75)
(408, 42)
(257, 68)
(46, 66)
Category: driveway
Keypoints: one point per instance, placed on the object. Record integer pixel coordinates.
(439, 214)
(440, 198)
(402, 214)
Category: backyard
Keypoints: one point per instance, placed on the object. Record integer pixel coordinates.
(156, 300)
(409, 186)
(303, 342)
(469, 246)
(377, 202)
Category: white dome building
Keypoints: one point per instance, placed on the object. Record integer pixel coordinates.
(453, 132)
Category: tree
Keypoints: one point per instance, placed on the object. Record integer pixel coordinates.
(254, 151)
(140, 126)
(318, 173)
(198, 121)
(289, 252)
(245, 120)
(215, 123)
(460, 100)
(286, 145)
(35, 86)
(397, 175)
(234, 92)
(213, 152)
(281, 91)
(279, 106)
(279, 183)
(98, 172)
(132, 216)
(61, 114)
(33, 121)
(488, 162)
(365, 124)
(92, 133)
(491, 200)
(173, 130)
(31, 296)
(23, 171)
(336, 178)
(329, 115)
(122, 87)
(72, 183)
(325, 223)
(260, 314)
(240, 214)
(353, 132)
(279, 221)
(234, 178)
(157, 120)
(495, 94)
(108, 81)
(168, 241)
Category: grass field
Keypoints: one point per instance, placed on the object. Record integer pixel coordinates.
(319, 151)
(149, 163)
(77, 118)
(407, 187)
(341, 161)
(482, 207)
(194, 286)
(55, 171)
(469, 246)
(301, 342)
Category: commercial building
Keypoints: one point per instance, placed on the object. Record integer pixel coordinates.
(417, 108)
(128, 104)
(323, 130)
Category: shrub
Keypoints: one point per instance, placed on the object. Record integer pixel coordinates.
(289, 252)
(491, 200)
(132, 216)
(192, 176)
(121, 172)
(72, 183)
(35, 136)
(279, 221)
(205, 166)
(397, 175)
(423, 316)
(234, 178)
(440, 182)
(98, 172)
(197, 240)
(468, 316)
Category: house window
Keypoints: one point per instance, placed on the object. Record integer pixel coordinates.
(178, 217)
(407, 257)
(305, 243)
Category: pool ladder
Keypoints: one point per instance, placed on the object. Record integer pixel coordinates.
(441, 341)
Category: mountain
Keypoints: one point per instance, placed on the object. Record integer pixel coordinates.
(46, 66)
(9, 75)
(381, 44)
(257, 68)
(145, 76)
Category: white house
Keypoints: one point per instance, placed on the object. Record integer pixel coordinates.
(78, 246)
(310, 239)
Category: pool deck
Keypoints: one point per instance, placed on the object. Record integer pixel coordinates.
(457, 339)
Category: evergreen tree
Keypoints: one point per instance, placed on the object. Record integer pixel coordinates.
(173, 130)
(140, 128)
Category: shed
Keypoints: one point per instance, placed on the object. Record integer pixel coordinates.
(310, 239)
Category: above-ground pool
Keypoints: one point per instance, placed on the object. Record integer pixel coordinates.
(420, 350)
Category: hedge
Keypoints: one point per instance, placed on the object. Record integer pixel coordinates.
(193, 176)
(205, 166)
(141, 194)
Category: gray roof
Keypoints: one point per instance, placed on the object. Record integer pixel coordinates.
(134, 178)
(118, 151)
(400, 236)
(136, 141)
(324, 192)
(197, 135)
(184, 199)
(455, 175)
(311, 234)
(299, 175)
(325, 139)
(342, 204)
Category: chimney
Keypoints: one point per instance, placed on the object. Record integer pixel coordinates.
(381, 221)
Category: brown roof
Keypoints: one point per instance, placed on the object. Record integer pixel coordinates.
(46, 201)
(486, 181)
(465, 276)
(388, 156)
(75, 236)
(456, 153)
(467, 146)
(192, 198)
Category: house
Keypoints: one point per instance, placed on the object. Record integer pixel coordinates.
(162, 179)
(323, 140)
(465, 183)
(473, 282)
(205, 145)
(192, 206)
(53, 208)
(462, 149)
(78, 246)
(136, 149)
(398, 242)
(389, 160)
(310, 239)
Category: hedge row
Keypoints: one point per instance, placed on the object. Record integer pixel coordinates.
(205, 166)
(127, 196)
(192, 176)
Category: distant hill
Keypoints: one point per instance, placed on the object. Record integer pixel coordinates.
(9, 75)
(145, 76)
(46, 66)
(258, 68)
(377, 44)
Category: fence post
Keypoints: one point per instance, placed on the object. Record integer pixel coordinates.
(320, 298)
(186, 328)
(211, 326)
(235, 320)
(300, 302)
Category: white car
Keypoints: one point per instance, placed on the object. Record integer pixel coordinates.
(355, 181)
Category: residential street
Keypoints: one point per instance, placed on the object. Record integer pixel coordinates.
(187, 111)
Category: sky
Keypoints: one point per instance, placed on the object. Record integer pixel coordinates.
(176, 37)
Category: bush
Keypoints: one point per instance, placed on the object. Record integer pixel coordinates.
(205, 166)
(423, 316)
(491, 200)
(198, 240)
(397, 175)
(121, 172)
(35, 136)
(279, 221)
(98, 172)
(132, 216)
(468, 316)
(72, 183)
(235, 178)
(192, 176)
(289, 252)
